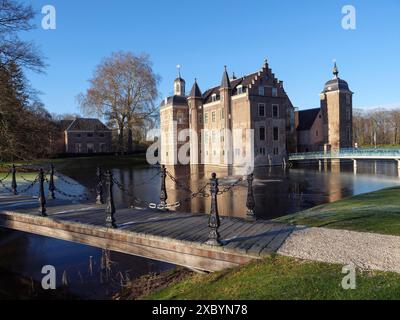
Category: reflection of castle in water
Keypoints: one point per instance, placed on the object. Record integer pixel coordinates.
(232, 203)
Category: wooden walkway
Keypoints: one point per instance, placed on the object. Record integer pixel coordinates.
(173, 237)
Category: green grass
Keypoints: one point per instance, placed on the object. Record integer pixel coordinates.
(281, 278)
(85, 162)
(377, 212)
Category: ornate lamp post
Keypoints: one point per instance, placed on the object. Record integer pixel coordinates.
(214, 221)
(163, 191)
(14, 180)
(42, 198)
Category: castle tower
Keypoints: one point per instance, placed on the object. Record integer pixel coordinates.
(195, 102)
(179, 85)
(174, 119)
(337, 111)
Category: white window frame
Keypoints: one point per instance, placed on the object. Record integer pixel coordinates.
(213, 116)
(265, 133)
(277, 108)
(259, 108)
(214, 97)
(78, 147)
(92, 148)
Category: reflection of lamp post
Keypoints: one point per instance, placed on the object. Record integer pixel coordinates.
(375, 139)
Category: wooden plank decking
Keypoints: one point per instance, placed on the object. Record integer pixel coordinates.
(172, 237)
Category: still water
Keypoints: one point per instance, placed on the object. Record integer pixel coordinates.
(94, 273)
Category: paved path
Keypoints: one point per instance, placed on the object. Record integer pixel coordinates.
(365, 250)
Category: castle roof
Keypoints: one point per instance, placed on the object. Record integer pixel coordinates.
(195, 92)
(307, 118)
(179, 79)
(87, 124)
(225, 83)
(336, 83)
(244, 81)
(175, 100)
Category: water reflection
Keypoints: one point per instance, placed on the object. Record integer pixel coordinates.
(277, 192)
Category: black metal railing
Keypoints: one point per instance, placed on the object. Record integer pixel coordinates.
(106, 182)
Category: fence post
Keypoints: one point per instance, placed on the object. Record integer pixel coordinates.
(250, 203)
(163, 191)
(52, 187)
(214, 221)
(14, 180)
(42, 198)
(99, 187)
(110, 209)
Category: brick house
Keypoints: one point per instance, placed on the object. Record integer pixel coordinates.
(86, 136)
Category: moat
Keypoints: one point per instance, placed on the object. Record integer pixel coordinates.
(89, 272)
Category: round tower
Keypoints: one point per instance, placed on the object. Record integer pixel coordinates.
(337, 111)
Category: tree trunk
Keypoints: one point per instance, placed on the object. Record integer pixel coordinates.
(130, 140)
(121, 139)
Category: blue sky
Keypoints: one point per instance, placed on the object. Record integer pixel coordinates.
(300, 39)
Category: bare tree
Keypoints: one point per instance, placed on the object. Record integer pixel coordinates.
(123, 90)
(378, 125)
(14, 18)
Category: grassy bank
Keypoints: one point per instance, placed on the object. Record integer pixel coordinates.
(278, 278)
(377, 212)
(106, 161)
(287, 278)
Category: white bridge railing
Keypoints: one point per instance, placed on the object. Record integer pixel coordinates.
(389, 154)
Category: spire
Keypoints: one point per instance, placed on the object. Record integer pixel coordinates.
(195, 92)
(179, 70)
(179, 84)
(335, 71)
(225, 83)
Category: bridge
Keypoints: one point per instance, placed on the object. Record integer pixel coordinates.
(205, 242)
(349, 154)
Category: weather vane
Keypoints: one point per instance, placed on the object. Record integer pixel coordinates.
(179, 69)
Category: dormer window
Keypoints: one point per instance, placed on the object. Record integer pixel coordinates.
(214, 97)
(240, 90)
(261, 91)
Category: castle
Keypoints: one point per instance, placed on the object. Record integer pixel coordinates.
(202, 126)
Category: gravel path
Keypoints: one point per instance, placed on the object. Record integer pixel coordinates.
(365, 250)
